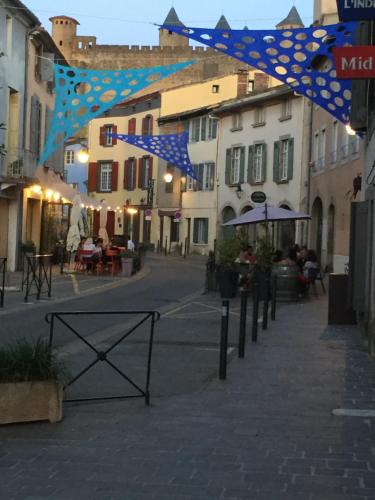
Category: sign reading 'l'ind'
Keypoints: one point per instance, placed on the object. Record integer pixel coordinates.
(356, 10)
(355, 62)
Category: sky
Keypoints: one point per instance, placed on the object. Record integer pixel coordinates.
(125, 22)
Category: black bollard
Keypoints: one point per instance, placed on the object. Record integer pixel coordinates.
(224, 340)
(265, 305)
(242, 338)
(273, 296)
(255, 312)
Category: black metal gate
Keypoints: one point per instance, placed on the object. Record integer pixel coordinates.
(102, 355)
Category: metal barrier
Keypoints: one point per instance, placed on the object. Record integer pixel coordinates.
(3, 270)
(39, 274)
(102, 356)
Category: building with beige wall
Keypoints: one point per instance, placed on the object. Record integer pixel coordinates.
(336, 161)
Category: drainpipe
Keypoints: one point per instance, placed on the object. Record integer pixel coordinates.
(308, 201)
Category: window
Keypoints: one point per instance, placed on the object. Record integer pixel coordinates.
(195, 129)
(175, 231)
(9, 35)
(200, 236)
(250, 86)
(258, 163)
(286, 109)
(108, 141)
(236, 121)
(335, 140)
(322, 148)
(212, 127)
(146, 171)
(316, 149)
(105, 179)
(345, 144)
(284, 157)
(235, 166)
(147, 125)
(205, 173)
(203, 128)
(69, 157)
(130, 177)
(215, 89)
(259, 116)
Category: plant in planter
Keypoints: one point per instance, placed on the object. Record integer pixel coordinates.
(264, 253)
(228, 251)
(127, 263)
(30, 383)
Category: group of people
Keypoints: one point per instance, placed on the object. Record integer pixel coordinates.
(306, 259)
(93, 250)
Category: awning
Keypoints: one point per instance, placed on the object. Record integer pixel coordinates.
(48, 179)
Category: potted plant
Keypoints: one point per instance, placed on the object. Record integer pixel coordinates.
(264, 253)
(127, 263)
(228, 251)
(30, 383)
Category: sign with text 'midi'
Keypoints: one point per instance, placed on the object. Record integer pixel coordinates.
(355, 62)
(356, 10)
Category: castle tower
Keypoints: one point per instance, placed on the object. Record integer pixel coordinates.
(168, 38)
(292, 21)
(64, 31)
(222, 24)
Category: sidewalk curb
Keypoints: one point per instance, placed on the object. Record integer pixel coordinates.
(86, 293)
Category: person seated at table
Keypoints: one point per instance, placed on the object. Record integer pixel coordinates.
(111, 245)
(301, 257)
(244, 256)
(251, 257)
(291, 259)
(99, 249)
(277, 257)
(311, 266)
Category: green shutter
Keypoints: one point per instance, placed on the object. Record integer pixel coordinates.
(290, 159)
(228, 166)
(264, 163)
(242, 165)
(276, 161)
(205, 222)
(203, 128)
(250, 166)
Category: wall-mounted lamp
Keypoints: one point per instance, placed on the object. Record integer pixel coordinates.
(349, 130)
(83, 154)
(168, 178)
(239, 191)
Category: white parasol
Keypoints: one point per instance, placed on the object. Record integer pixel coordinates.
(74, 235)
(103, 223)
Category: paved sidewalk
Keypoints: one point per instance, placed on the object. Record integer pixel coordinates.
(267, 433)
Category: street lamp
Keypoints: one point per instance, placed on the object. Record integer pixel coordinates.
(83, 155)
(131, 212)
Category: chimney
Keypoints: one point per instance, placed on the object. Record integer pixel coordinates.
(261, 82)
(242, 83)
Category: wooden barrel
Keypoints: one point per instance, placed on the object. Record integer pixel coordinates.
(288, 285)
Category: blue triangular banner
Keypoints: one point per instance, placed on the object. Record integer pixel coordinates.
(169, 147)
(83, 94)
(302, 58)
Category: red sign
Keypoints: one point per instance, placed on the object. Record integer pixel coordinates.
(355, 62)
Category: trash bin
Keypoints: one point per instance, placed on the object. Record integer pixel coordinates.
(339, 311)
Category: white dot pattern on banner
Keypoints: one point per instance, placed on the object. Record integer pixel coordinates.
(172, 148)
(82, 95)
(302, 58)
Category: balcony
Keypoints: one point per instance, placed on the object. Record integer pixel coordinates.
(18, 164)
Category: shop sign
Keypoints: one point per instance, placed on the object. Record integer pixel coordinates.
(355, 62)
(356, 10)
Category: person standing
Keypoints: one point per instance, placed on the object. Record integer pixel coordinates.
(130, 245)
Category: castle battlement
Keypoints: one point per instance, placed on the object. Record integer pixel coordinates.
(137, 49)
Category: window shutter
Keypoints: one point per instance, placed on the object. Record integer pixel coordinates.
(228, 166)
(205, 232)
(132, 126)
(242, 165)
(200, 176)
(264, 163)
(290, 159)
(115, 176)
(211, 176)
(195, 231)
(144, 123)
(126, 174)
(140, 173)
(92, 177)
(276, 161)
(151, 125)
(250, 166)
(133, 166)
(196, 182)
(151, 166)
(203, 128)
(114, 131)
(102, 136)
(33, 119)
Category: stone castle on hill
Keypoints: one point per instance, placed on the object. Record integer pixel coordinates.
(83, 51)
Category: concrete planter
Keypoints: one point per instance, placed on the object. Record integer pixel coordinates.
(31, 402)
(127, 267)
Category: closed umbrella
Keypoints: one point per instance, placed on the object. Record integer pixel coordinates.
(103, 223)
(266, 213)
(74, 235)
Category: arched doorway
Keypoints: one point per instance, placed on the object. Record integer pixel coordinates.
(331, 238)
(251, 228)
(286, 233)
(227, 215)
(317, 227)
